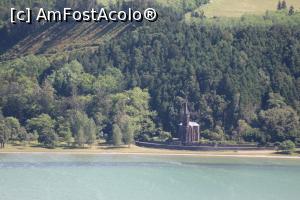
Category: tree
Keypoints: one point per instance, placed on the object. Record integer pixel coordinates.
(71, 77)
(291, 10)
(44, 126)
(79, 138)
(279, 5)
(275, 100)
(83, 128)
(128, 134)
(64, 130)
(23, 136)
(40, 123)
(110, 81)
(287, 146)
(14, 128)
(283, 5)
(91, 132)
(46, 97)
(134, 106)
(280, 123)
(4, 134)
(48, 138)
(164, 136)
(117, 135)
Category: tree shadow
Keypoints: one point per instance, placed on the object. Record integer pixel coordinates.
(114, 147)
(16, 145)
(74, 147)
(287, 153)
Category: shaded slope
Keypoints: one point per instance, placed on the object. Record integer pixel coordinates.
(62, 37)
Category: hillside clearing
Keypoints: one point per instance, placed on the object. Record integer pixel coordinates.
(237, 8)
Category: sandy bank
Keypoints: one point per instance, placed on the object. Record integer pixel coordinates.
(134, 150)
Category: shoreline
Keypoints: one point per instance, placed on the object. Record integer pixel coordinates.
(160, 154)
(141, 151)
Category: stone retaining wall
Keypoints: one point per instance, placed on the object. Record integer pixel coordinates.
(202, 147)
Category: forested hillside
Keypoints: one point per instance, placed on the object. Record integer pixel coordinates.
(235, 77)
(242, 81)
(51, 38)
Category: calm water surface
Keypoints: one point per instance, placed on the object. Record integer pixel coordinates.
(93, 177)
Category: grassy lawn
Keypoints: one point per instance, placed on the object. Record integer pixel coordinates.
(236, 8)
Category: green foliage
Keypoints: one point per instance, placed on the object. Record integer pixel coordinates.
(291, 10)
(144, 137)
(132, 114)
(91, 132)
(79, 137)
(48, 138)
(128, 134)
(281, 123)
(116, 135)
(164, 136)
(14, 127)
(40, 123)
(135, 105)
(275, 100)
(225, 80)
(64, 130)
(110, 81)
(212, 135)
(245, 132)
(4, 133)
(287, 147)
(240, 76)
(83, 128)
(44, 126)
(71, 78)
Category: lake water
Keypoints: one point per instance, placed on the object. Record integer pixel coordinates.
(93, 177)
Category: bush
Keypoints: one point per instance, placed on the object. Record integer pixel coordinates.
(144, 137)
(49, 139)
(287, 147)
(254, 134)
(165, 136)
(213, 136)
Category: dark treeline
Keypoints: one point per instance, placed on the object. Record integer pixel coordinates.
(242, 83)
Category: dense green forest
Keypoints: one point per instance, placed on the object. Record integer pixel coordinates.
(241, 78)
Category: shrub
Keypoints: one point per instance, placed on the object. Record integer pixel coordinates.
(287, 147)
(165, 136)
(213, 136)
(144, 137)
(254, 134)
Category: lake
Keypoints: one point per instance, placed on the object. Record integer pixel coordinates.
(111, 177)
